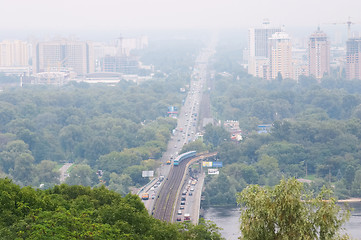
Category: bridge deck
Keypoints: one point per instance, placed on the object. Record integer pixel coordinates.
(169, 193)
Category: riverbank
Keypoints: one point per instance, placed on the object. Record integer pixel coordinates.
(228, 219)
(349, 200)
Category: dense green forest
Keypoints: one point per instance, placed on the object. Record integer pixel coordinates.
(78, 212)
(84, 124)
(315, 131)
(121, 130)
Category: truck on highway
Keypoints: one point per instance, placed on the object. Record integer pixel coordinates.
(187, 217)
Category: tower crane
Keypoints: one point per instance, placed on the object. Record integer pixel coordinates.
(61, 63)
(348, 23)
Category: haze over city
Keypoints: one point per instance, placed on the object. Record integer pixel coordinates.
(23, 17)
(129, 119)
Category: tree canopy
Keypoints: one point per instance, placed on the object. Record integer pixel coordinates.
(78, 212)
(288, 212)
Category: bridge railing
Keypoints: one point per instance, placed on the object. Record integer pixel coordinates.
(147, 185)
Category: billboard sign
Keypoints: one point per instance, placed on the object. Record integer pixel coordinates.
(213, 171)
(172, 109)
(207, 164)
(147, 173)
(217, 164)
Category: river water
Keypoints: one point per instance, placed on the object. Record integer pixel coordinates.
(228, 219)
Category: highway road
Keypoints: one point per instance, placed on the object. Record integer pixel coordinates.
(165, 194)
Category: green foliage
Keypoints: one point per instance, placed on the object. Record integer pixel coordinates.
(206, 230)
(82, 174)
(85, 123)
(196, 145)
(4, 79)
(214, 136)
(219, 190)
(78, 212)
(315, 128)
(287, 212)
(80, 124)
(46, 173)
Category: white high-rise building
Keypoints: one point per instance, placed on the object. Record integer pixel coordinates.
(258, 47)
(280, 55)
(318, 54)
(14, 53)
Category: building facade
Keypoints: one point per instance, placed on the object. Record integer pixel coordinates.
(120, 64)
(14, 54)
(54, 56)
(258, 49)
(280, 56)
(353, 61)
(318, 55)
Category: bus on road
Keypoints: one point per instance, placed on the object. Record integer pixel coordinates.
(145, 196)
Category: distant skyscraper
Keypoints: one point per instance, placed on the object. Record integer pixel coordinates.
(258, 47)
(54, 55)
(353, 59)
(280, 55)
(14, 53)
(318, 54)
(129, 44)
(125, 64)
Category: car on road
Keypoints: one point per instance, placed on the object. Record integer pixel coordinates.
(179, 219)
(181, 207)
(183, 203)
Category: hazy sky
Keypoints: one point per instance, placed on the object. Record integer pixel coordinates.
(163, 14)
